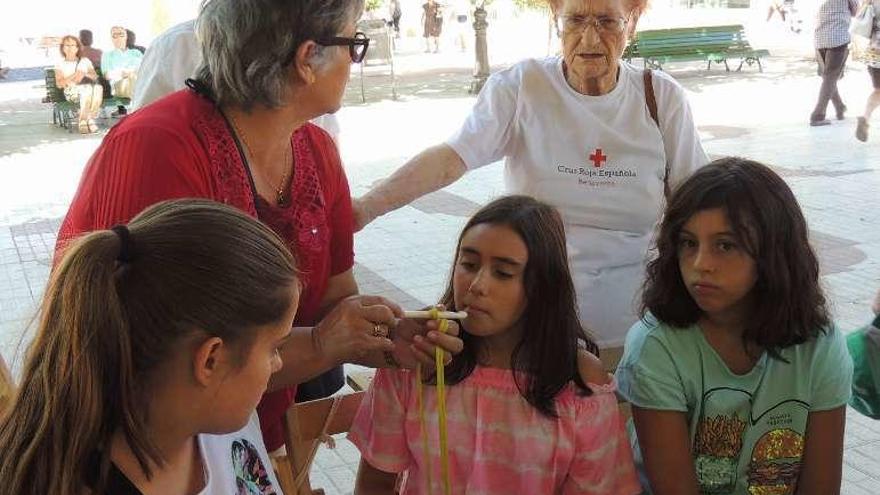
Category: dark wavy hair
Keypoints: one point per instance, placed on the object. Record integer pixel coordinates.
(547, 353)
(789, 306)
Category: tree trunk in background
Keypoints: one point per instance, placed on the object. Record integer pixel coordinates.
(161, 18)
(481, 50)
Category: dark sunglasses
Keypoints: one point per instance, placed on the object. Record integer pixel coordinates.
(357, 46)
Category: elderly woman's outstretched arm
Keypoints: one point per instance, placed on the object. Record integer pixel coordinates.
(430, 170)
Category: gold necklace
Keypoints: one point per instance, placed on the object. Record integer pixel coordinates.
(281, 190)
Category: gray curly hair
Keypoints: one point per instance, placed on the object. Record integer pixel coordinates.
(247, 45)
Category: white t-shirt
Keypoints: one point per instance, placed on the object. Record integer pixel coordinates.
(234, 463)
(68, 67)
(237, 463)
(599, 159)
(172, 58)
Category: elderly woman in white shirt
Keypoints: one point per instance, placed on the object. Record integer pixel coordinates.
(577, 131)
(76, 75)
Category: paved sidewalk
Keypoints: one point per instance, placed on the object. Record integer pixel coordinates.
(407, 254)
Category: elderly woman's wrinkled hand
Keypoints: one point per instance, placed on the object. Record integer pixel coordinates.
(416, 340)
(356, 327)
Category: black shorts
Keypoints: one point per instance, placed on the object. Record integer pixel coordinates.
(875, 76)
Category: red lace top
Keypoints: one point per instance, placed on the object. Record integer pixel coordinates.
(182, 147)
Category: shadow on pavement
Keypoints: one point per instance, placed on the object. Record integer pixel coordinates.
(454, 82)
(23, 74)
(433, 84)
(26, 124)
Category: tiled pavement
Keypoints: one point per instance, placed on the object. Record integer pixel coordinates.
(406, 255)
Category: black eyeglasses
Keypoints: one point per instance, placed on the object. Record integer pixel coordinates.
(357, 46)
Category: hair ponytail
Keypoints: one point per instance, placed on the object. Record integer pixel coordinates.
(76, 375)
(106, 325)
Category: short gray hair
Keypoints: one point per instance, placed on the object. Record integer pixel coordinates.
(248, 45)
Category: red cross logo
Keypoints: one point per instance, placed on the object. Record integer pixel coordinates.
(598, 158)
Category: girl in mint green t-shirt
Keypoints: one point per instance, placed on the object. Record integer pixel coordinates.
(737, 378)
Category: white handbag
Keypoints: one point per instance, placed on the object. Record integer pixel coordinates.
(863, 22)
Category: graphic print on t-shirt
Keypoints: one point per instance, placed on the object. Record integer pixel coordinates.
(776, 462)
(719, 438)
(729, 425)
(599, 169)
(251, 476)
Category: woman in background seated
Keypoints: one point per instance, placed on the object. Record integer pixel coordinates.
(76, 75)
(130, 41)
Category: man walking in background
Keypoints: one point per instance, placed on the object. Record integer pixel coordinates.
(394, 10)
(832, 47)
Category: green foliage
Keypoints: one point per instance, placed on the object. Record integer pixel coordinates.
(372, 5)
(161, 17)
(531, 4)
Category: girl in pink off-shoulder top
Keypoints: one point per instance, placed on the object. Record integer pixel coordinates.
(530, 409)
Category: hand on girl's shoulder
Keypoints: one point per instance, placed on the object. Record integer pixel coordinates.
(591, 368)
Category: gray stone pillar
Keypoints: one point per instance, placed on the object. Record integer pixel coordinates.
(481, 50)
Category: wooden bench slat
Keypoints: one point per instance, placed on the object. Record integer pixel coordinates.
(708, 43)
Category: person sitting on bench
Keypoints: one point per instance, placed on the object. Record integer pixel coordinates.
(120, 65)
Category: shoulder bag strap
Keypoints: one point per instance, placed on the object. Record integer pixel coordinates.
(651, 102)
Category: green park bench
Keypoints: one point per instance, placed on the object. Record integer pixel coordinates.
(712, 44)
(64, 112)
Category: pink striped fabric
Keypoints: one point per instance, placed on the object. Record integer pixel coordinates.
(498, 443)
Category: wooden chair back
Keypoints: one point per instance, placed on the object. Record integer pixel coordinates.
(307, 424)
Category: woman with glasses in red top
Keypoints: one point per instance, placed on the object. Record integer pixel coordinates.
(239, 134)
